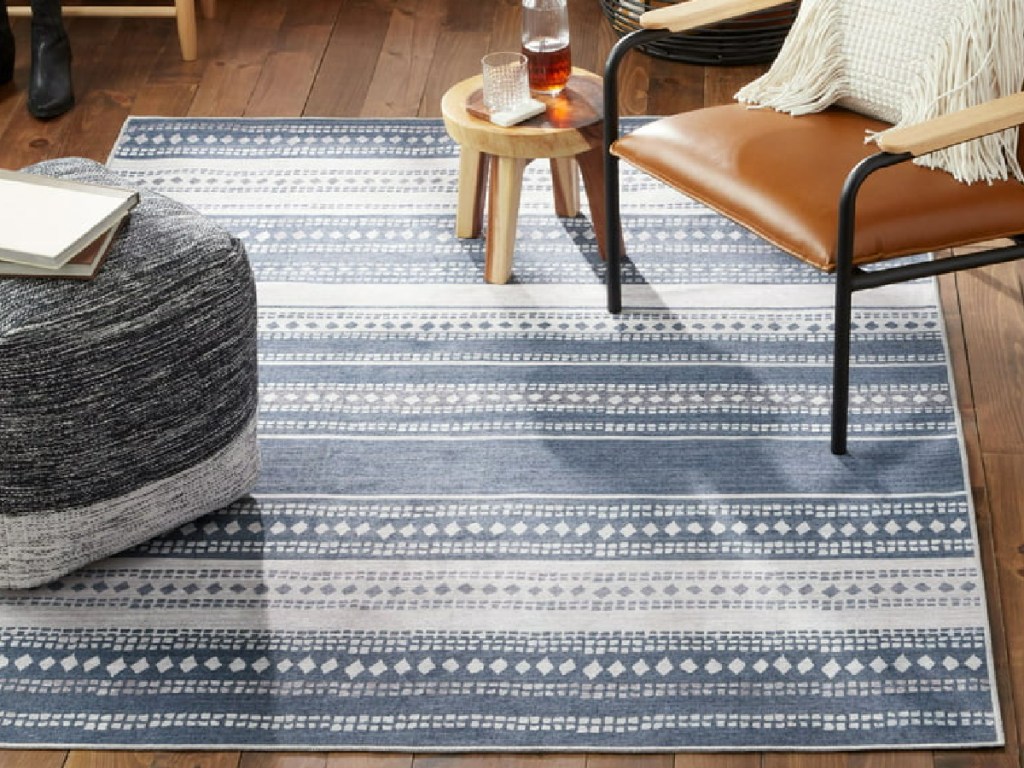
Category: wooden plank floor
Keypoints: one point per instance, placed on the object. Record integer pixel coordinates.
(379, 58)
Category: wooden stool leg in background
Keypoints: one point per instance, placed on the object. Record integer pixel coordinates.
(503, 216)
(565, 183)
(592, 169)
(185, 13)
(469, 214)
(209, 8)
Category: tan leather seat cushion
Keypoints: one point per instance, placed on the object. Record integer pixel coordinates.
(781, 177)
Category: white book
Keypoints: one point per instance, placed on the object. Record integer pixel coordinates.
(82, 266)
(45, 222)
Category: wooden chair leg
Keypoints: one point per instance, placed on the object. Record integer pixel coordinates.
(565, 183)
(592, 168)
(472, 187)
(185, 13)
(502, 216)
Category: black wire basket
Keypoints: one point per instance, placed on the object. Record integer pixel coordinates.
(752, 39)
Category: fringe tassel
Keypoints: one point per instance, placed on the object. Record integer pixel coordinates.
(981, 58)
(809, 72)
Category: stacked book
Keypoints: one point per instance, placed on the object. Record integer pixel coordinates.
(57, 228)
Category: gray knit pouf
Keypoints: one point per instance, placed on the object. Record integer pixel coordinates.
(127, 402)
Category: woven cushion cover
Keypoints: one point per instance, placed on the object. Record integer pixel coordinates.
(904, 62)
(127, 403)
(781, 177)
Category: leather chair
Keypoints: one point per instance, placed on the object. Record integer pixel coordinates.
(808, 184)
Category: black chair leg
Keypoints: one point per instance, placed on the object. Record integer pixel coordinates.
(841, 361)
(613, 233)
(845, 286)
(841, 319)
(612, 215)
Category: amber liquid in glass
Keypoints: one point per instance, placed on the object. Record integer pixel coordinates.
(549, 70)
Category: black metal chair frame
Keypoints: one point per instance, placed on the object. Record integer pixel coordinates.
(848, 278)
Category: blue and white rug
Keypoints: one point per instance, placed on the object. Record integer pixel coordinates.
(497, 518)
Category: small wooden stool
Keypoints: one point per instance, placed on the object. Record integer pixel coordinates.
(569, 134)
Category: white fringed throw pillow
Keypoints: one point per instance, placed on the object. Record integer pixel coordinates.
(904, 61)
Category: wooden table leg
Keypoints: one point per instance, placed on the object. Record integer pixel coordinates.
(185, 13)
(469, 215)
(502, 216)
(565, 183)
(592, 168)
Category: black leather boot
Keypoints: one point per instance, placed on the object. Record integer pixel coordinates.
(49, 85)
(6, 46)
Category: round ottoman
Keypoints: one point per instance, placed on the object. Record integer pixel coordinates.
(127, 402)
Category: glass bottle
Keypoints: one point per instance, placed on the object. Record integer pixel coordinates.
(546, 45)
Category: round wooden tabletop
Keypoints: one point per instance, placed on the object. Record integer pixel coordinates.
(571, 124)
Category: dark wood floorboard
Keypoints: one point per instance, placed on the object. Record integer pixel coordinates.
(394, 58)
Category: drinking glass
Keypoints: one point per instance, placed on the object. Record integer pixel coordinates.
(546, 45)
(506, 83)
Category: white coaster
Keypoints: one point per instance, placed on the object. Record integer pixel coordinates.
(517, 114)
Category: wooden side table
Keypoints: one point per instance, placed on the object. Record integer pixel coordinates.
(568, 134)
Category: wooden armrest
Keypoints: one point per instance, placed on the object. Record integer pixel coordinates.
(699, 13)
(956, 127)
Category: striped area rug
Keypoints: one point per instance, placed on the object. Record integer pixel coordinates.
(497, 518)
